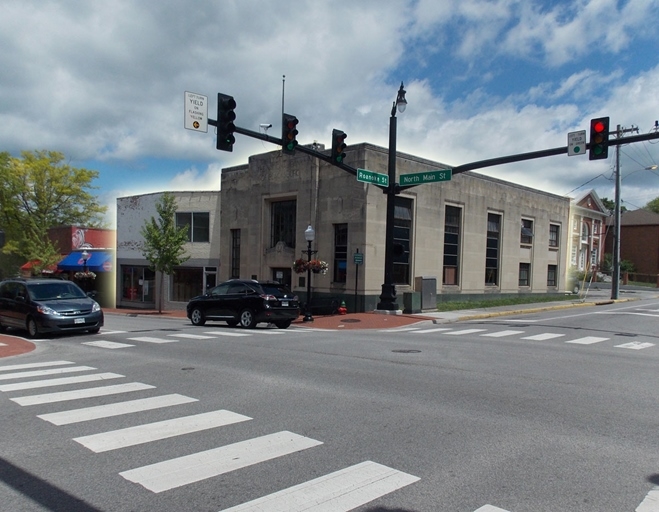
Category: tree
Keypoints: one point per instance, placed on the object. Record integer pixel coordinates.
(163, 241)
(38, 191)
(653, 205)
(610, 205)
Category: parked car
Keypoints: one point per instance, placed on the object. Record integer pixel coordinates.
(47, 305)
(246, 302)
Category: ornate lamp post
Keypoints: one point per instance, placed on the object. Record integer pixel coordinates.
(388, 296)
(309, 235)
(85, 257)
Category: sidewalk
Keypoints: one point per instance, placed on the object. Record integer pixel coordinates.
(14, 345)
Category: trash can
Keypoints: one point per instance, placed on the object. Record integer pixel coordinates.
(411, 302)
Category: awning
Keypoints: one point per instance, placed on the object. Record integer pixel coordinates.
(98, 261)
(27, 267)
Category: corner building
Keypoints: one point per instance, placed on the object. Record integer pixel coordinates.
(466, 237)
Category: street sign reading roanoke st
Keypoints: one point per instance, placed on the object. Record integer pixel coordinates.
(372, 177)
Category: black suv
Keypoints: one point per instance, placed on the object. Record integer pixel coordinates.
(47, 305)
(246, 302)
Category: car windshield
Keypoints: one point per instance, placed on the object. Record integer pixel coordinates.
(54, 290)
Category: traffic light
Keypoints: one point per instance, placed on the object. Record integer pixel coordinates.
(599, 138)
(338, 146)
(289, 134)
(225, 118)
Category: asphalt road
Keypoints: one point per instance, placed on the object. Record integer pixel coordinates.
(552, 411)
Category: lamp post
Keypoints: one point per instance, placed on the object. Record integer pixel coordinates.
(309, 235)
(388, 295)
(85, 257)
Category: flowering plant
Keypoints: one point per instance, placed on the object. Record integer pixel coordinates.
(318, 266)
(85, 275)
(300, 266)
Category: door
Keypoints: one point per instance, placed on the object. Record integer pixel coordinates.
(283, 276)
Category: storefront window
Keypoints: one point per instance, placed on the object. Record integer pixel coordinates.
(138, 284)
(187, 283)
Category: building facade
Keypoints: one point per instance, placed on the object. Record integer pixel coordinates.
(588, 232)
(137, 285)
(639, 240)
(469, 236)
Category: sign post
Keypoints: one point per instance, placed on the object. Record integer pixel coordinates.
(196, 112)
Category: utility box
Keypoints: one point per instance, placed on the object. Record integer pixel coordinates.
(427, 287)
(411, 302)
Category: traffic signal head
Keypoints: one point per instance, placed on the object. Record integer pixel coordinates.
(338, 146)
(225, 118)
(599, 138)
(289, 134)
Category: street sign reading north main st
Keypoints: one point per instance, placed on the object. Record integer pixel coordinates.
(425, 177)
(372, 177)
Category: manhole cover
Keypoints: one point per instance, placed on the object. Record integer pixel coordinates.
(402, 351)
(351, 320)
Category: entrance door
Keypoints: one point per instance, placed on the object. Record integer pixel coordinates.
(282, 275)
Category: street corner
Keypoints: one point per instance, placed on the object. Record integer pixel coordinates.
(14, 346)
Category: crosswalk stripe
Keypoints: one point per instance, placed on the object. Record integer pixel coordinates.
(180, 471)
(3, 344)
(192, 336)
(27, 366)
(501, 334)
(340, 491)
(150, 339)
(426, 331)
(39, 373)
(587, 340)
(131, 436)
(107, 344)
(59, 381)
(490, 508)
(116, 409)
(543, 336)
(465, 331)
(635, 345)
(77, 394)
(229, 333)
(400, 329)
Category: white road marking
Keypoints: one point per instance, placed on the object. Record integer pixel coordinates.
(464, 331)
(3, 344)
(150, 339)
(501, 334)
(340, 491)
(107, 344)
(103, 331)
(543, 336)
(77, 394)
(117, 409)
(59, 382)
(635, 345)
(650, 503)
(180, 471)
(33, 365)
(192, 336)
(399, 329)
(426, 331)
(587, 340)
(39, 373)
(140, 434)
(229, 333)
(490, 508)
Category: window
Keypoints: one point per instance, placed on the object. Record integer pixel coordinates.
(551, 275)
(187, 282)
(138, 284)
(452, 218)
(526, 236)
(282, 222)
(235, 253)
(198, 224)
(524, 274)
(492, 252)
(554, 231)
(402, 238)
(340, 252)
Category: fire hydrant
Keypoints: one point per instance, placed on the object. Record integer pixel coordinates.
(342, 308)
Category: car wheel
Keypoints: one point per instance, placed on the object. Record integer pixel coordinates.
(247, 319)
(232, 323)
(283, 324)
(32, 328)
(197, 317)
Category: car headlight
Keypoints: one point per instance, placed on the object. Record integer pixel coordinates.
(96, 307)
(45, 310)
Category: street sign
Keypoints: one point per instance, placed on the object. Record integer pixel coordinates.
(425, 177)
(358, 258)
(576, 143)
(196, 112)
(372, 177)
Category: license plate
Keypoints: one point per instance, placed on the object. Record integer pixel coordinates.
(284, 304)
(79, 321)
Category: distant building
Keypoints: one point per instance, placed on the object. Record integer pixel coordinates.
(639, 240)
(588, 231)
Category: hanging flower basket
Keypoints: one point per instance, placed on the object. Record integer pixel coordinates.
(300, 266)
(318, 266)
(82, 276)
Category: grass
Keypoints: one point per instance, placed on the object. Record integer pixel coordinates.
(502, 301)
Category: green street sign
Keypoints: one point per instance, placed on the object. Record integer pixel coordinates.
(425, 177)
(372, 177)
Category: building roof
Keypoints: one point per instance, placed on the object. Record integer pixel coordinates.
(639, 218)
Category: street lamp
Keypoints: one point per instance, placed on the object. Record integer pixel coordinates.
(85, 257)
(309, 235)
(388, 295)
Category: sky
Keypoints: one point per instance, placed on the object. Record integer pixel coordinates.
(104, 83)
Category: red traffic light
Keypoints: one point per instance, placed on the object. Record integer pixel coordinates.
(599, 138)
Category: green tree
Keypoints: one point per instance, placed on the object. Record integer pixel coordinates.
(653, 205)
(610, 204)
(39, 191)
(163, 241)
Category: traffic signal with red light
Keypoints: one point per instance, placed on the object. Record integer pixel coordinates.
(338, 146)
(599, 138)
(225, 118)
(289, 134)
